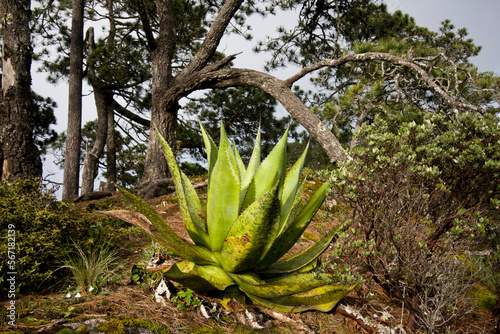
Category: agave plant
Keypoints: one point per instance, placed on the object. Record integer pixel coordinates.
(253, 216)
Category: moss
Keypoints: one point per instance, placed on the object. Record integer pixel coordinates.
(11, 332)
(147, 324)
(30, 321)
(82, 330)
(113, 326)
(117, 326)
(484, 298)
(66, 331)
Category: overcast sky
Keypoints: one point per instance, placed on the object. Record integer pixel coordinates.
(480, 17)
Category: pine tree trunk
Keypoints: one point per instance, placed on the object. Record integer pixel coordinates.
(110, 152)
(74, 134)
(91, 163)
(19, 155)
(103, 101)
(163, 115)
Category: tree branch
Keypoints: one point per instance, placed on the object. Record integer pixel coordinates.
(224, 78)
(148, 31)
(214, 35)
(128, 114)
(454, 104)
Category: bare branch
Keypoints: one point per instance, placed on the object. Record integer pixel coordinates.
(454, 104)
(128, 114)
(214, 35)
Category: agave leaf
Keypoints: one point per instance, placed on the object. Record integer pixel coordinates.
(251, 235)
(281, 287)
(296, 207)
(164, 233)
(239, 162)
(290, 187)
(268, 173)
(223, 194)
(193, 223)
(196, 225)
(307, 256)
(253, 165)
(199, 278)
(292, 233)
(323, 298)
(212, 151)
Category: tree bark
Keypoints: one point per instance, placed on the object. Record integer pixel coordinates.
(73, 134)
(163, 116)
(103, 101)
(110, 152)
(165, 100)
(19, 155)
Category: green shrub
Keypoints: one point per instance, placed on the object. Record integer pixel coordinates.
(422, 194)
(44, 233)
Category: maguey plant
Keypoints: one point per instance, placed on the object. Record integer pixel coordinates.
(253, 216)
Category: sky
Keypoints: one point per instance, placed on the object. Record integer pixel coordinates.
(480, 17)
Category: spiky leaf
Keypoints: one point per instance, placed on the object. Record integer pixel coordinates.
(268, 173)
(281, 287)
(251, 235)
(164, 233)
(253, 165)
(289, 237)
(290, 187)
(307, 256)
(184, 188)
(323, 298)
(199, 278)
(211, 149)
(223, 195)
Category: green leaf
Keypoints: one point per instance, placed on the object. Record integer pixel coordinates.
(253, 165)
(239, 162)
(212, 151)
(251, 235)
(307, 256)
(323, 298)
(268, 173)
(281, 287)
(290, 186)
(223, 194)
(185, 193)
(199, 278)
(290, 235)
(164, 234)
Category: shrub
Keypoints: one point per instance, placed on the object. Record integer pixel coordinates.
(422, 195)
(44, 229)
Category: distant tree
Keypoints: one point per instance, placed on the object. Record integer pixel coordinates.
(18, 153)
(71, 179)
(130, 154)
(43, 117)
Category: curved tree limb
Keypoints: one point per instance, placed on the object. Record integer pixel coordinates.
(216, 77)
(397, 60)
